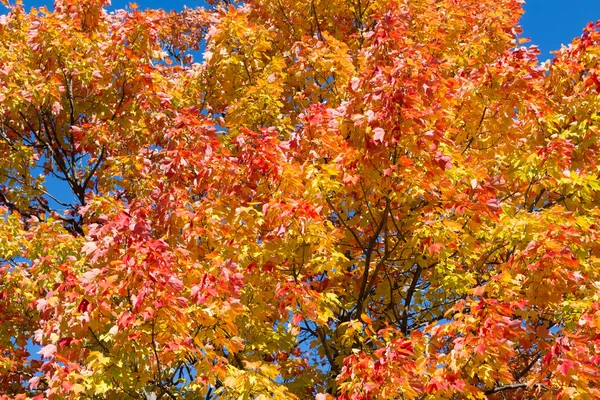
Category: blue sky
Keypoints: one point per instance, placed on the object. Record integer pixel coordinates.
(550, 23)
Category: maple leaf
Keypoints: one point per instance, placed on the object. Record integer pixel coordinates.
(565, 367)
(90, 276)
(89, 248)
(47, 351)
(378, 134)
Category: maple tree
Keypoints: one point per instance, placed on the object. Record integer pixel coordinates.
(357, 199)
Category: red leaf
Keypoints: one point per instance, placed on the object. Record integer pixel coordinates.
(125, 320)
(47, 351)
(479, 290)
(480, 349)
(436, 248)
(493, 204)
(90, 276)
(89, 247)
(378, 134)
(34, 382)
(176, 284)
(565, 367)
(296, 319)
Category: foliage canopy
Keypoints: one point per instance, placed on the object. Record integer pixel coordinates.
(350, 199)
